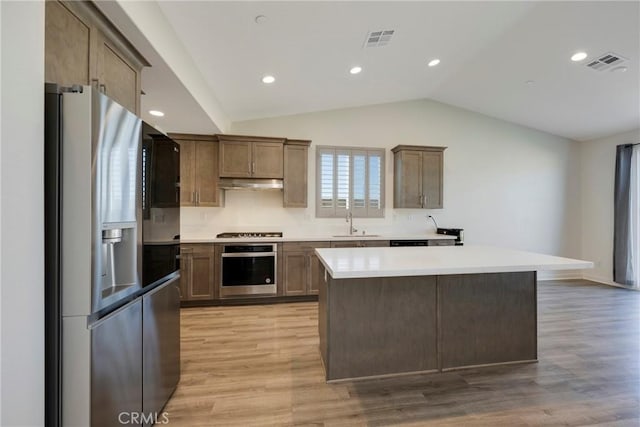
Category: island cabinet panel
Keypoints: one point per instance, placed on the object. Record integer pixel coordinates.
(251, 156)
(199, 170)
(418, 177)
(197, 272)
(391, 326)
(487, 318)
(302, 269)
(296, 163)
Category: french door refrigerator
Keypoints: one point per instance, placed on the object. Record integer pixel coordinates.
(96, 302)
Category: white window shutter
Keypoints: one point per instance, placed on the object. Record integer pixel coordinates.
(349, 180)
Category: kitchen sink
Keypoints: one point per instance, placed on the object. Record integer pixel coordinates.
(356, 236)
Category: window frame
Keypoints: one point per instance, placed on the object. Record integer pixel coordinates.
(340, 212)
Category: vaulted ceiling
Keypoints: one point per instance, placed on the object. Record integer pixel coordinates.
(509, 60)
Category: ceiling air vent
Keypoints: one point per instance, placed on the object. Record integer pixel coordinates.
(606, 61)
(378, 38)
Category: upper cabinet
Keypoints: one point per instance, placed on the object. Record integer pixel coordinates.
(199, 170)
(296, 163)
(251, 157)
(418, 176)
(83, 47)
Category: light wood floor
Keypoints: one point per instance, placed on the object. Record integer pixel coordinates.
(260, 365)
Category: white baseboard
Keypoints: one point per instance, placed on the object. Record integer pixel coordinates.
(605, 281)
(559, 275)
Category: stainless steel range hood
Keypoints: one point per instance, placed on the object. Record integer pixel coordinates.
(250, 184)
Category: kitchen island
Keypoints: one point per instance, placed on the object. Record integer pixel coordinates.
(389, 311)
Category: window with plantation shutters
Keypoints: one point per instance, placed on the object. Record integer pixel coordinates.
(349, 179)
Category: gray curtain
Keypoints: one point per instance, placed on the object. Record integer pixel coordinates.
(622, 267)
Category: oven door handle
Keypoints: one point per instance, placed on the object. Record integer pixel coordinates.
(249, 255)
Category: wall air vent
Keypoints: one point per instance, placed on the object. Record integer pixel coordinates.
(378, 38)
(606, 61)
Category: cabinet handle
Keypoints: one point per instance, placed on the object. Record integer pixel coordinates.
(424, 201)
(197, 197)
(253, 167)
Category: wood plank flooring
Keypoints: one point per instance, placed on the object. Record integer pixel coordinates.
(260, 366)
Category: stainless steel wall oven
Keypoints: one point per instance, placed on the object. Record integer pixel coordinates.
(248, 269)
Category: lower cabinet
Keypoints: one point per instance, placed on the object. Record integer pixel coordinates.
(197, 272)
(302, 269)
(360, 244)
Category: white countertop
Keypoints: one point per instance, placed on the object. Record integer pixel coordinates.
(323, 238)
(344, 263)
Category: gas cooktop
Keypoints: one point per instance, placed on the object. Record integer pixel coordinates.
(249, 234)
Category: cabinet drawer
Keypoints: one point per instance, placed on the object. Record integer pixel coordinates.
(375, 243)
(304, 246)
(360, 244)
(198, 248)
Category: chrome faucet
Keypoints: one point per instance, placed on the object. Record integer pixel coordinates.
(350, 221)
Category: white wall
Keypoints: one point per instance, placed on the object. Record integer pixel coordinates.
(21, 222)
(598, 163)
(505, 184)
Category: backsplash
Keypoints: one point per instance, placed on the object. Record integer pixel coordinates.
(263, 211)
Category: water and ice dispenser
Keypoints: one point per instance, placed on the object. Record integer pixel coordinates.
(119, 272)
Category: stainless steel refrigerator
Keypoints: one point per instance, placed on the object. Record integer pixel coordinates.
(107, 354)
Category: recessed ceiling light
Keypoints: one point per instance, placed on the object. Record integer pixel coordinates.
(355, 70)
(156, 113)
(530, 82)
(260, 19)
(578, 56)
(434, 62)
(268, 79)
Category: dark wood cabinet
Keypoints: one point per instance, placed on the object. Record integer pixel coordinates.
(418, 177)
(197, 272)
(302, 269)
(251, 157)
(199, 170)
(117, 78)
(296, 273)
(83, 47)
(360, 244)
(296, 161)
